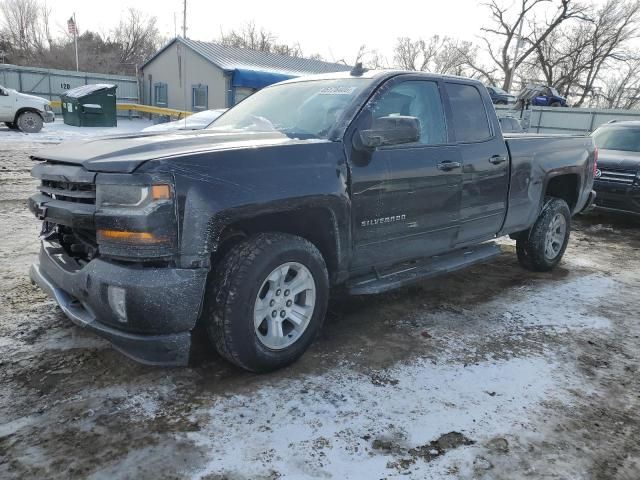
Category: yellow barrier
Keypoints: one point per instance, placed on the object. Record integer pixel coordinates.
(171, 112)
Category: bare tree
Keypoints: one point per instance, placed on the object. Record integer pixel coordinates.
(621, 89)
(370, 58)
(438, 54)
(24, 26)
(258, 38)
(515, 22)
(574, 57)
(137, 37)
(612, 26)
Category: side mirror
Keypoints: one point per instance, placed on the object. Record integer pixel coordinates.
(392, 130)
(3, 93)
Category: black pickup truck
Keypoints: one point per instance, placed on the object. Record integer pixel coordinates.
(366, 181)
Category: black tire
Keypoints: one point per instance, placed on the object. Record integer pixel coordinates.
(11, 125)
(29, 122)
(234, 286)
(556, 104)
(532, 248)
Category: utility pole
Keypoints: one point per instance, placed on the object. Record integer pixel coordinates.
(72, 26)
(184, 19)
(75, 37)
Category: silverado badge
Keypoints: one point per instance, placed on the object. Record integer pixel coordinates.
(382, 220)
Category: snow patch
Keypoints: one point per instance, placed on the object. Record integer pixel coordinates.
(58, 131)
(549, 305)
(324, 426)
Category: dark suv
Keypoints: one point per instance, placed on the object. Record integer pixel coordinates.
(617, 179)
(500, 97)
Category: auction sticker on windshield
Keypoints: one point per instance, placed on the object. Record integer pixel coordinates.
(337, 90)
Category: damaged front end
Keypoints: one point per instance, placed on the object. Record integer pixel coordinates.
(109, 258)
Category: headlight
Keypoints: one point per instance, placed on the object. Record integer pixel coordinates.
(135, 220)
(130, 196)
(47, 107)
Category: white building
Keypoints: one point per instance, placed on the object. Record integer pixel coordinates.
(191, 75)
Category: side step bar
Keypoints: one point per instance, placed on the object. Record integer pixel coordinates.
(415, 271)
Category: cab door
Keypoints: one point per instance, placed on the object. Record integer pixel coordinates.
(6, 106)
(485, 161)
(406, 198)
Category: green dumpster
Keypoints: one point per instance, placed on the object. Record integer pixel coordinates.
(90, 106)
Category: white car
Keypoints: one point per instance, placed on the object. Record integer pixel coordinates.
(197, 121)
(24, 112)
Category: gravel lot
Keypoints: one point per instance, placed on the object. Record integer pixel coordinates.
(491, 373)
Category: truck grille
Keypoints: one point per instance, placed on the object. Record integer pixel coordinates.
(617, 176)
(69, 191)
(66, 202)
(68, 183)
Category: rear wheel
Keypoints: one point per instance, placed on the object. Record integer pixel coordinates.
(544, 245)
(29, 122)
(266, 301)
(556, 104)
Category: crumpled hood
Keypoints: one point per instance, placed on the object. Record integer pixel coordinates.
(619, 159)
(125, 153)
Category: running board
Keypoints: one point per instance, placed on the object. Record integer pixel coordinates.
(414, 271)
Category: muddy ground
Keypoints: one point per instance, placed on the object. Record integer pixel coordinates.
(490, 373)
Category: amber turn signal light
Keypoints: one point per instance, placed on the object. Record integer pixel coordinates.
(129, 237)
(160, 192)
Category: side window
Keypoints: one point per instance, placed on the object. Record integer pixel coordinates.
(415, 98)
(469, 115)
(199, 98)
(160, 94)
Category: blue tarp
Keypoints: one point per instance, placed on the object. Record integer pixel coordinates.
(256, 78)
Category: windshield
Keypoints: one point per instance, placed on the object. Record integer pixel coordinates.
(308, 109)
(500, 91)
(618, 138)
(202, 119)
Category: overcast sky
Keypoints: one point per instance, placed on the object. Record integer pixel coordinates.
(333, 28)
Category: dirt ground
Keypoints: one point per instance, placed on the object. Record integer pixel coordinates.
(490, 373)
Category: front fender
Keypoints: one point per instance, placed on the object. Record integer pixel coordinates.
(216, 190)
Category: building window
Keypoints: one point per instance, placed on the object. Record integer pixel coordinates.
(199, 98)
(160, 94)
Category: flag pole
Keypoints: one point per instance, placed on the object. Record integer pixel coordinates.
(75, 39)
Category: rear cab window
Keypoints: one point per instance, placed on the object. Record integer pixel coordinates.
(470, 120)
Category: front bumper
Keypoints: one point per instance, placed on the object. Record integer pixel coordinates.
(158, 309)
(618, 197)
(48, 116)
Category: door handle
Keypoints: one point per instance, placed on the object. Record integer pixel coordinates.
(498, 159)
(447, 165)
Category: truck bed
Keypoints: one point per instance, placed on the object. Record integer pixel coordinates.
(535, 159)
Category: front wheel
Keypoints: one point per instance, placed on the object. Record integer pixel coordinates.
(29, 122)
(542, 248)
(266, 301)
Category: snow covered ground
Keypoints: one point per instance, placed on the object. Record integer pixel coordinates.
(57, 131)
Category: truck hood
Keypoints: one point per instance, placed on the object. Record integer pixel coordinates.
(32, 99)
(619, 159)
(125, 153)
